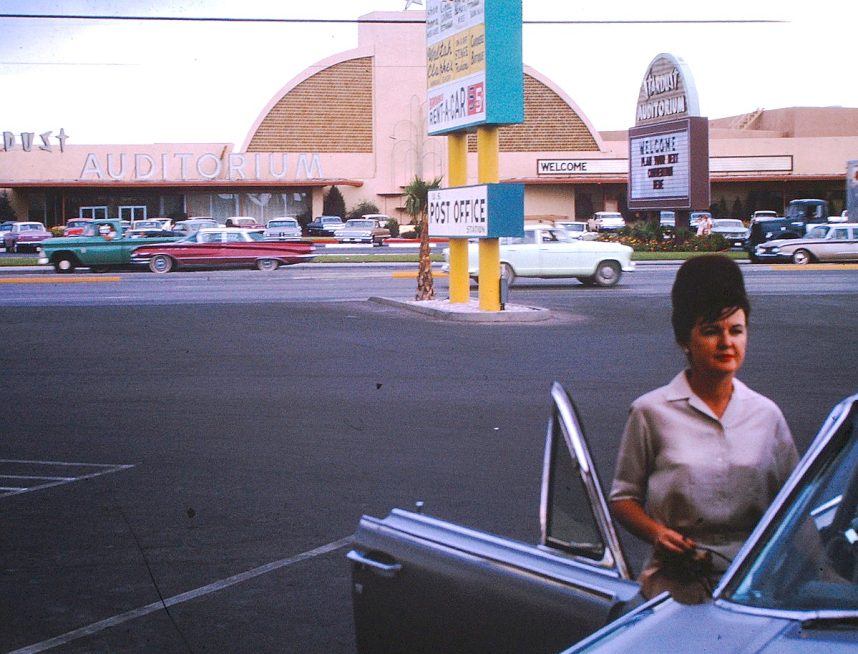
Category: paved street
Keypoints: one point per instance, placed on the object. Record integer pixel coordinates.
(169, 433)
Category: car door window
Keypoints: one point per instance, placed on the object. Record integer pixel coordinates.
(841, 234)
(574, 514)
(234, 237)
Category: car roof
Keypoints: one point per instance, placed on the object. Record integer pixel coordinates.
(241, 230)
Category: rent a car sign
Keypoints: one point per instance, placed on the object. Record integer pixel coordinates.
(473, 64)
(482, 211)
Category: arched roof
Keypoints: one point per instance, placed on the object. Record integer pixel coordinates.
(327, 108)
(552, 122)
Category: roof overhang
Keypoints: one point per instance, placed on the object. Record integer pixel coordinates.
(214, 184)
(713, 178)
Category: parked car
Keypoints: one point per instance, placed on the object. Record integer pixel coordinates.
(25, 236)
(731, 229)
(608, 221)
(420, 584)
(763, 231)
(5, 226)
(286, 228)
(150, 224)
(764, 214)
(245, 222)
(575, 229)
(223, 247)
(837, 243)
(191, 225)
(546, 251)
(75, 226)
(325, 226)
(362, 230)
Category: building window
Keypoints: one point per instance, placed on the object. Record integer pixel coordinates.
(132, 213)
(92, 212)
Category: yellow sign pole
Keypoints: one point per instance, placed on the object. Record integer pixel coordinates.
(457, 174)
(487, 173)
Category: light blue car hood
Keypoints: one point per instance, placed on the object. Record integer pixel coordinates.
(708, 628)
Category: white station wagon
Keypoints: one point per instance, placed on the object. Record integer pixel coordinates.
(546, 251)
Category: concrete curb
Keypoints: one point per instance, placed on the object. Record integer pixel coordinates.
(514, 313)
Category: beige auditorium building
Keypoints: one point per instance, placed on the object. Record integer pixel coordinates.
(356, 120)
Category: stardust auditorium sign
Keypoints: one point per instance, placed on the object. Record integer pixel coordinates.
(669, 144)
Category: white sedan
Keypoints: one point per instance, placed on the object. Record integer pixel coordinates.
(546, 251)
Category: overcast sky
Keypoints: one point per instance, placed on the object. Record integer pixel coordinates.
(133, 82)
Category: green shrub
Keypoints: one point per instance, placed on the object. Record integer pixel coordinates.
(57, 230)
(393, 226)
(710, 243)
(410, 234)
(362, 208)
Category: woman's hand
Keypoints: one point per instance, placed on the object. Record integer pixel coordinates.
(633, 517)
(668, 540)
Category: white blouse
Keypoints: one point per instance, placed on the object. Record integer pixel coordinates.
(709, 479)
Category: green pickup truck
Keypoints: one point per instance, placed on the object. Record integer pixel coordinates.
(103, 245)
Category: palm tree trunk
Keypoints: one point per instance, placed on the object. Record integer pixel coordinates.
(425, 286)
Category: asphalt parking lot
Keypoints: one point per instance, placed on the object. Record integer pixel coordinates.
(256, 433)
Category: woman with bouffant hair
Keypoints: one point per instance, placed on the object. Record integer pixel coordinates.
(703, 457)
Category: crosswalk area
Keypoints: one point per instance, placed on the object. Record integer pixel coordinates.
(19, 476)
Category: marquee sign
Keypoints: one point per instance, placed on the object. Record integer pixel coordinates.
(482, 211)
(669, 144)
(667, 92)
(474, 67)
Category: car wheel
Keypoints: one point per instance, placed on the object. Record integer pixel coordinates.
(802, 257)
(64, 264)
(99, 269)
(12, 248)
(267, 264)
(608, 273)
(507, 273)
(161, 264)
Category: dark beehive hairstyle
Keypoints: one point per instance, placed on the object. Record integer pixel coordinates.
(707, 288)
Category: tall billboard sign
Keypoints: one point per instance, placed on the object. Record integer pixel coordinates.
(669, 144)
(475, 74)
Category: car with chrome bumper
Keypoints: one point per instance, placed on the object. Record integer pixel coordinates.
(828, 243)
(733, 230)
(25, 236)
(420, 584)
(550, 252)
(282, 229)
(225, 247)
(363, 230)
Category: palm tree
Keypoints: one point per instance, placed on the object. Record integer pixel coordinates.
(416, 206)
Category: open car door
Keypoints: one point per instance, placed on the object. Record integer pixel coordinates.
(423, 585)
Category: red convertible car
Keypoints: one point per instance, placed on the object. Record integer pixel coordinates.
(224, 246)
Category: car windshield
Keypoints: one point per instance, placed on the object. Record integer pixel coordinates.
(255, 236)
(809, 562)
(360, 224)
(331, 220)
(30, 227)
(729, 224)
(574, 227)
(282, 223)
